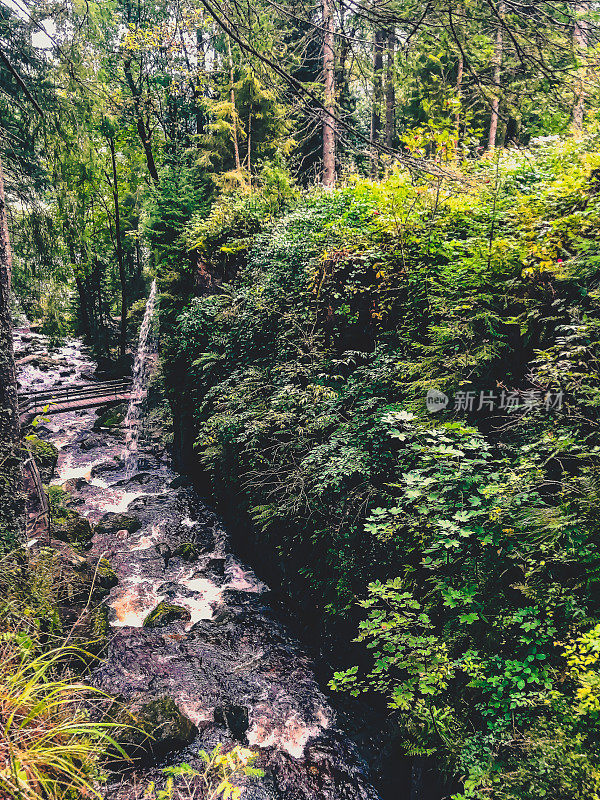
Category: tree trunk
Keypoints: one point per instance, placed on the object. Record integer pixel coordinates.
(580, 40)
(236, 151)
(9, 413)
(378, 41)
(200, 68)
(120, 261)
(12, 509)
(249, 153)
(460, 71)
(142, 129)
(390, 90)
(497, 63)
(328, 176)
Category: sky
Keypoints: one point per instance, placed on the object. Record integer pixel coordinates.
(41, 38)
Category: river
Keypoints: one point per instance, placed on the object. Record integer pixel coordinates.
(230, 662)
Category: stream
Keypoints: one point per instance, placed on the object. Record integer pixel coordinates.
(230, 663)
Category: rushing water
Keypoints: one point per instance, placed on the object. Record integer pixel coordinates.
(231, 665)
(139, 386)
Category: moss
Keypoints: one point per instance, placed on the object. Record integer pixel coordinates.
(110, 418)
(166, 724)
(100, 624)
(44, 454)
(105, 575)
(111, 523)
(71, 527)
(165, 613)
(189, 551)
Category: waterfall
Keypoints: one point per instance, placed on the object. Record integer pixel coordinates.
(139, 387)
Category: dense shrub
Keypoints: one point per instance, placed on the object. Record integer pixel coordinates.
(473, 533)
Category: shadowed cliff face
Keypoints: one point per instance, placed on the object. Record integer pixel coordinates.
(189, 621)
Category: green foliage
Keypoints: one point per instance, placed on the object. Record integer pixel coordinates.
(50, 747)
(218, 779)
(472, 534)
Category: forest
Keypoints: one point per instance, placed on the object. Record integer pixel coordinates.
(299, 400)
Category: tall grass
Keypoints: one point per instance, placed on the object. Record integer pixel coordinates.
(50, 749)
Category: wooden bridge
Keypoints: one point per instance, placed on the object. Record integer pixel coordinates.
(58, 399)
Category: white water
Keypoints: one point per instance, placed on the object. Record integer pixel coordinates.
(139, 387)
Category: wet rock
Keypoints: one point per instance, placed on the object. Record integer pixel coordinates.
(234, 718)
(141, 478)
(164, 614)
(112, 523)
(164, 551)
(71, 527)
(216, 566)
(45, 456)
(169, 728)
(145, 463)
(89, 441)
(110, 418)
(104, 467)
(178, 482)
(74, 485)
(171, 589)
(105, 575)
(43, 430)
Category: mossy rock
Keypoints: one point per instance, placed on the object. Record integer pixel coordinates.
(165, 613)
(189, 551)
(45, 456)
(105, 575)
(111, 523)
(110, 418)
(70, 526)
(157, 727)
(100, 623)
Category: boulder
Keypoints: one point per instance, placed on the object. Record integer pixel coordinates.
(178, 482)
(112, 523)
(161, 727)
(110, 417)
(105, 575)
(74, 485)
(164, 614)
(104, 467)
(71, 527)
(89, 441)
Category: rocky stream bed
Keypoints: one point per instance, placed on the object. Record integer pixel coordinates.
(193, 638)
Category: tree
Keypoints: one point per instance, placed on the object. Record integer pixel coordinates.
(390, 89)
(497, 64)
(9, 416)
(328, 177)
(378, 42)
(580, 39)
(114, 184)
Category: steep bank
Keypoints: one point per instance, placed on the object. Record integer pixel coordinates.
(189, 622)
(396, 394)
